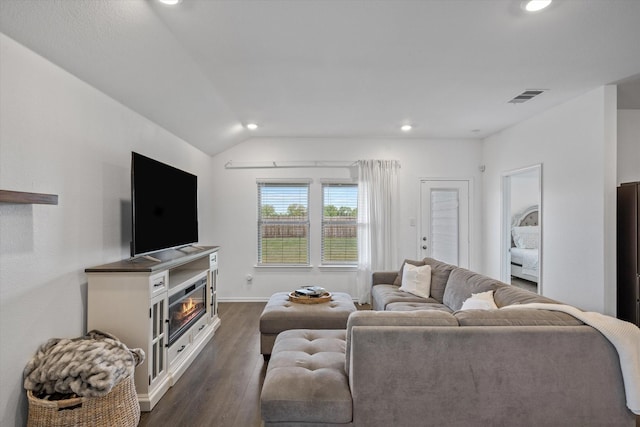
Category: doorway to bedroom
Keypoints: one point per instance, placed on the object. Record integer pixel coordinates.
(522, 228)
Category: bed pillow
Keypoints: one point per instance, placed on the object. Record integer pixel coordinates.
(480, 301)
(526, 237)
(416, 280)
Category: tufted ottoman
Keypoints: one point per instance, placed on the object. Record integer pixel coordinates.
(280, 314)
(306, 380)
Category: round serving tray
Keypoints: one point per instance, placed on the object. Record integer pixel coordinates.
(309, 300)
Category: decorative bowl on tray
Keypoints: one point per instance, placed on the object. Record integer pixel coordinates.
(310, 295)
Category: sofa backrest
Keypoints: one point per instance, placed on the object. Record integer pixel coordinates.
(502, 376)
(509, 295)
(439, 275)
(395, 318)
(440, 272)
(462, 283)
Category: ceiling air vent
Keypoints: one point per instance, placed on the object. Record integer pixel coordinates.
(526, 95)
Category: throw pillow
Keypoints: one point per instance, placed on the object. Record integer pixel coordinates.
(398, 281)
(481, 301)
(416, 280)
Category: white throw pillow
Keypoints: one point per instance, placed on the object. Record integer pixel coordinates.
(416, 280)
(526, 237)
(481, 301)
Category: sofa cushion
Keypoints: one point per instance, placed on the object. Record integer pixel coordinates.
(306, 381)
(396, 318)
(509, 295)
(415, 306)
(416, 279)
(440, 272)
(382, 295)
(462, 283)
(515, 317)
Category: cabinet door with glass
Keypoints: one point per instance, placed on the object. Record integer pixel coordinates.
(213, 285)
(157, 356)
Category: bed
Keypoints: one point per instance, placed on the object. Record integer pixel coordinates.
(525, 242)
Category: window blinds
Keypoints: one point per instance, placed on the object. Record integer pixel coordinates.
(283, 223)
(339, 223)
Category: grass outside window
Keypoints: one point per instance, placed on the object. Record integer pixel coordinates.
(285, 250)
(341, 250)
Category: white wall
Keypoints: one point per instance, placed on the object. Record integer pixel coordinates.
(59, 135)
(235, 211)
(575, 142)
(628, 145)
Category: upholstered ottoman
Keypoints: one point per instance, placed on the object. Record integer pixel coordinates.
(280, 314)
(306, 381)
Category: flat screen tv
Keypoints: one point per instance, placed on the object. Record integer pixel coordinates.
(164, 203)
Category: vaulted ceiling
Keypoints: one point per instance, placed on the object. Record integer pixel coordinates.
(323, 68)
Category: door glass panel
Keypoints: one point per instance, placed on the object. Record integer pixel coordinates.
(154, 321)
(154, 361)
(444, 225)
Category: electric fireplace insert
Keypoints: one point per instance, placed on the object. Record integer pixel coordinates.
(186, 307)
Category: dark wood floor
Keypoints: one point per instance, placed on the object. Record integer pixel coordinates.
(222, 386)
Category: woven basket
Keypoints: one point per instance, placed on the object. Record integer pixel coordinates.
(119, 408)
(326, 297)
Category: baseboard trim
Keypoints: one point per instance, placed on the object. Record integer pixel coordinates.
(243, 299)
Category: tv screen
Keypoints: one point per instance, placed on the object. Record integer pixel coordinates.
(164, 206)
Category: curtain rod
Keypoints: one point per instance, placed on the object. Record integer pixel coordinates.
(290, 164)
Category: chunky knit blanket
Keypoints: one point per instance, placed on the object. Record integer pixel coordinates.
(88, 366)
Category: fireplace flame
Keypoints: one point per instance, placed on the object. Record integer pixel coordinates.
(186, 310)
(188, 306)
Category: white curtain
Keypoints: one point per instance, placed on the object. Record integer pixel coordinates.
(377, 221)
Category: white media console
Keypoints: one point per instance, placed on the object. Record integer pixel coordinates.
(165, 304)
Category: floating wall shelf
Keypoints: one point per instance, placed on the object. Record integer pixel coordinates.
(7, 196)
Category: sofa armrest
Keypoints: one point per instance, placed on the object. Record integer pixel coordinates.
(383, 277)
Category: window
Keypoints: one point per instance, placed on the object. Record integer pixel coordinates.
(283, 223)
(339, 223)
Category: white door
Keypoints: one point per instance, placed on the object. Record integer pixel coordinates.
(444, 221)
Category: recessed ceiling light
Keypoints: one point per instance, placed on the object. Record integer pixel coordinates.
(406, 128)
(535, 5)
(252, 126)
(170, 2)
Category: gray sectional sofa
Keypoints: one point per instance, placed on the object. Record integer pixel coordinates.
(414, 361)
